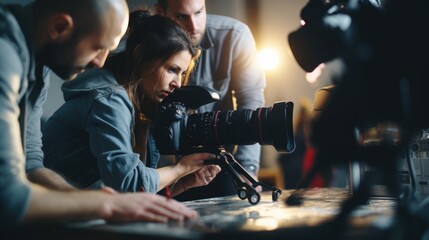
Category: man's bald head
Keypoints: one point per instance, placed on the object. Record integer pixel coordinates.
(72, 35)
(88, 15)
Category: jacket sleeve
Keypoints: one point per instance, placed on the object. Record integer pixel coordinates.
(33, 146)
(109, 125)
(248, 82)
(14, 188)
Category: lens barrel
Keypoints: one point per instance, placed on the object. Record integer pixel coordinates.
(265, 125)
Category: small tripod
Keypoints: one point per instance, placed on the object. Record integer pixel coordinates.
(226, 161)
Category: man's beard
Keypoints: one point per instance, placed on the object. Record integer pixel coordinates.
(195, 41)
(60, 57)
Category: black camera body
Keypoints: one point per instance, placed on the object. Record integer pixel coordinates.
(177, 132)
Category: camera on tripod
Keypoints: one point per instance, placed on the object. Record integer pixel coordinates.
(178, 132)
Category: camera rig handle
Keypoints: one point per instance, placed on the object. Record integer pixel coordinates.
(227, 162)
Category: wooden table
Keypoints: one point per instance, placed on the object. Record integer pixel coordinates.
(233, 218)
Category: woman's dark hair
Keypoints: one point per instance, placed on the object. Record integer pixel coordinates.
(150, 41)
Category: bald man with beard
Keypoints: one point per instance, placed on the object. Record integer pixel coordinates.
(65, 37)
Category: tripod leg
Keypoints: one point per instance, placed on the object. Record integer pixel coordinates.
(227, 162)
(238, 168)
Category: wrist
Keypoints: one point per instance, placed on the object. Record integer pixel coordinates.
(179, 170)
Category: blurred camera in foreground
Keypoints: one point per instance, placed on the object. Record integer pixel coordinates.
(327, 30)
(178, 132)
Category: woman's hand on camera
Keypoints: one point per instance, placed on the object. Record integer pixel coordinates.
(201, 177)
(192, 162)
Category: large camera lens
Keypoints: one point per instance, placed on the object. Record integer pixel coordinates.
(177, 132)
(266, 126)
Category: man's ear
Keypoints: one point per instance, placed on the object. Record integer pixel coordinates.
(159, 9)
(60, 27)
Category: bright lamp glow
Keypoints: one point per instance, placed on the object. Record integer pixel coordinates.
(268, 58)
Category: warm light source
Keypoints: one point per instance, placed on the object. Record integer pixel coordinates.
(268, 58)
